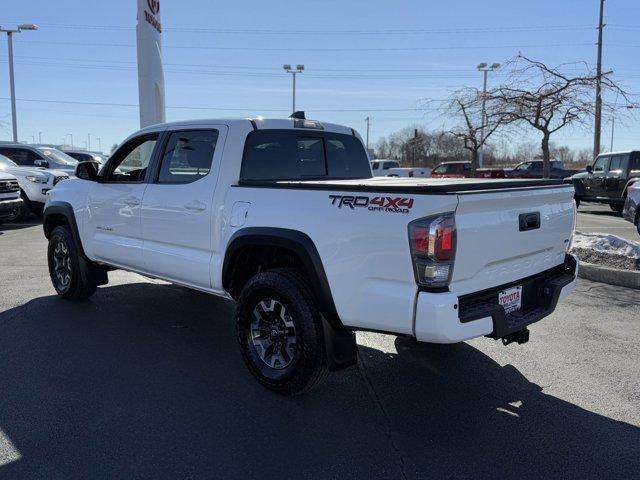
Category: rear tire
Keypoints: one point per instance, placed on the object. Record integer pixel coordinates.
(70, 274)
(280, 332)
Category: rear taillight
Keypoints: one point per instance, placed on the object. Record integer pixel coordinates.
(433, 249)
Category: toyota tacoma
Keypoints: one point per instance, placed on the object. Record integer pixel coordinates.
(285, 217)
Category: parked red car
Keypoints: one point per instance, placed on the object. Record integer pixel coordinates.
(463, 170)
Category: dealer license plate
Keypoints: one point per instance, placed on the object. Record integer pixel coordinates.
(511, 299)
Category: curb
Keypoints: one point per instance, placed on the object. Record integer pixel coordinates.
(612, 276)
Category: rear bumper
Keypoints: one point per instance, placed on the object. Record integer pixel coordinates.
(7, 207)
(447, 318)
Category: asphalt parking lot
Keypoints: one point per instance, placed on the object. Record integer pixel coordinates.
(144, 380)
(597, 218)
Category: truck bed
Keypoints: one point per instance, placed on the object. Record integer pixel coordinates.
(425, 186)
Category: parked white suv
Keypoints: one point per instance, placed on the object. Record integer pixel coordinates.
(285, 217)
(38, 156)
(34, 183)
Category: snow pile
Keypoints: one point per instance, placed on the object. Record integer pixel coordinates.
(606, 250)
(603, 242)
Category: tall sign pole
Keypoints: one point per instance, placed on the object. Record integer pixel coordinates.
(150, 73)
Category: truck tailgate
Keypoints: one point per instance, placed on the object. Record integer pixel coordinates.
(493, 248)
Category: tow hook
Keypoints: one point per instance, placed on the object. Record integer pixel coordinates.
(521, 336)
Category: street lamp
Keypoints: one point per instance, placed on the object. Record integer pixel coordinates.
(288, 69)
(613, 124)
(71, 135)
(10, 32)
(485, 69)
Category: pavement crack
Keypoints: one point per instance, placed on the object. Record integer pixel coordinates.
(383, 411)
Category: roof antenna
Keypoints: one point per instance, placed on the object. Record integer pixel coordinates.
(298, 115)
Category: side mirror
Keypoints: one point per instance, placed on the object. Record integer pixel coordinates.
(41, 163)
(589, 169)
(87, 171)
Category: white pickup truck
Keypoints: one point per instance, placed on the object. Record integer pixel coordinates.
(285, 217)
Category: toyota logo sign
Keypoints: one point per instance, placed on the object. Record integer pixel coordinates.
(154, 6)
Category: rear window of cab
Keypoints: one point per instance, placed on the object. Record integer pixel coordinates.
(303, 155)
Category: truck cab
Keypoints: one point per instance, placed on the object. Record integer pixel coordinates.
(608, 179)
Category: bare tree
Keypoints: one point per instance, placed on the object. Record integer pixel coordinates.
(472, 130)
(547, 99)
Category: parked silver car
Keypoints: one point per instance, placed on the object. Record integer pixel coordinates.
(631, 211)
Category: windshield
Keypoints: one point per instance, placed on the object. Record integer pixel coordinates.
(5, 162)
(58, 156)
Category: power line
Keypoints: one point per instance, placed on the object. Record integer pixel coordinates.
(253, 109)
(319, 49)
(398, 30)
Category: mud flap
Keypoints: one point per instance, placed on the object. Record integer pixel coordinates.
(340, 346)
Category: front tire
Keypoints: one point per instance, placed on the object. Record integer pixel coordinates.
(280, 332)
(70, 274)
(616, 207)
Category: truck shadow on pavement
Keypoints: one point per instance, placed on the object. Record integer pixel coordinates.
(145, 381)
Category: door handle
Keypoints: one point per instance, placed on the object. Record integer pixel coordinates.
(196, 206)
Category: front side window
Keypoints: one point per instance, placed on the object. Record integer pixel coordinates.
(296, 155)
(188, 156)
(130, 163)
(600, 164)
(388, 165)
(523, 167)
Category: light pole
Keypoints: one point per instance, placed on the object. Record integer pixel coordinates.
(99, 144)
(613, 124)
(71, 135)
(288, 69)
(12, 86)
(39, 137)
(485, 69)
(89, 141)
(368, 124)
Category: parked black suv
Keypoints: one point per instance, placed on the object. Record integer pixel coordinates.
(607, 180)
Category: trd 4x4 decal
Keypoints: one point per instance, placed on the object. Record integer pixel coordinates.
(375, 204)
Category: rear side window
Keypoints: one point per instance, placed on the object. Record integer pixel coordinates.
(187, 156)
(295, 155)
(634, 167)
(618, 163)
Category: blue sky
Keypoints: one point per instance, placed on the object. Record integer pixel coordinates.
(362, 58)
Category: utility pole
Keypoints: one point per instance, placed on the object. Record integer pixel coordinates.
(598, 117)
(368, 124)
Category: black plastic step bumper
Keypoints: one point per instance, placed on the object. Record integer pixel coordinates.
(540, 295)
(7, 207)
